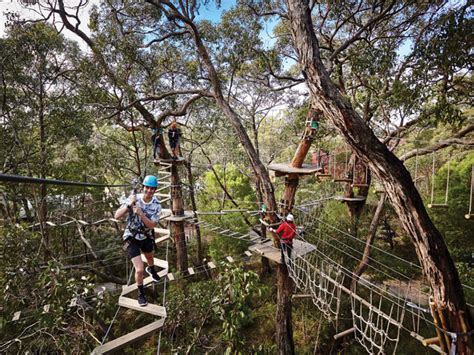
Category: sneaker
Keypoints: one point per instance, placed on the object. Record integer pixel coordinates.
(142, 300)
(151, 271)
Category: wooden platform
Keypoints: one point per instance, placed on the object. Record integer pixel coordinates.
(282, 169)
(149, 308)
(123, 341)
(170, 217)
(267, 249)
(349, 199)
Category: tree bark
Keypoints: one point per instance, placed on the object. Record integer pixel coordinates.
(194, 207)
(362, 266)
(177, 227)
(284, 334)
(431, 249)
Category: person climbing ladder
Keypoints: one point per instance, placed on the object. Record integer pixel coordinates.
(143, 216)
(174, 134)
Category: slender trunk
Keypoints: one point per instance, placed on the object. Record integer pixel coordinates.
(362, 266)
(284, 329)
(431, 249)
(194, 207)
(177, 227)
(43, 205)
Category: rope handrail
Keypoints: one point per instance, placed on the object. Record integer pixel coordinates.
(33, 180)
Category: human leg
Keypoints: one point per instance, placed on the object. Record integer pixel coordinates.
(147, 248)
(139, 273)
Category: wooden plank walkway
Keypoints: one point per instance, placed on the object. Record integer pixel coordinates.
(149, 308)
(125, 340)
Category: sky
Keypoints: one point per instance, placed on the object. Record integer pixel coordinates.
(209, 12)
(26, 12)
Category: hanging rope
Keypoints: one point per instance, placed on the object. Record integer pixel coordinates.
(469, 214)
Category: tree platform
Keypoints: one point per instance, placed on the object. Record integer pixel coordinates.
(267, 250)
(282, 169)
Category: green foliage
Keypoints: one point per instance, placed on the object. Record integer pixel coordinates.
(237, 287)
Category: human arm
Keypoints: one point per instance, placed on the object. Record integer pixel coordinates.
(125, 208)
(149, 223)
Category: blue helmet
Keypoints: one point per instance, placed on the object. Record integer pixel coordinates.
(150, 181)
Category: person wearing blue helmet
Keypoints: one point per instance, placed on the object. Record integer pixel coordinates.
(143, 211)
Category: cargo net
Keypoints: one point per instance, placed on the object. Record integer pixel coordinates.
(377, 318)
(320, 279)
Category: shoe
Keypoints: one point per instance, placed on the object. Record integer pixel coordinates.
(142, 300)
(151, 271)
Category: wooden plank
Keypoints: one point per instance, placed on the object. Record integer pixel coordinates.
(162, 231)
(230, 259)
(350, 199)
(248, 253)
(148, 280)
(170, 276)
(73, 302)
(211, 265)
(123, 341)
(164, 200)
(16, 316)
(161, 195)
(153, 309)
(158, 262)
(162, 239)
(191, 271)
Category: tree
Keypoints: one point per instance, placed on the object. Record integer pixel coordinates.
(431, 249)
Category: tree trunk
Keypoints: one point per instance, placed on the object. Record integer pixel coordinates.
(194, 207)
(359, 270)
(177, 227)
(431, 249)
(43, 204)
(284, 329)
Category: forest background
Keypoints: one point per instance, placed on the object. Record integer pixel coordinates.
(73, 114)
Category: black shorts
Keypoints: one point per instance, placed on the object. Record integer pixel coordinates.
(137, 246)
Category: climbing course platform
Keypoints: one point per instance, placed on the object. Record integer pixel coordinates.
(166, 214)
(267, 250)
(282, 169)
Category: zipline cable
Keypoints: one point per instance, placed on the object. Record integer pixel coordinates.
(33, 180)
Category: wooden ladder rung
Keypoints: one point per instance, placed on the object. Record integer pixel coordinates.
(123, 341)
(162, 239)
(438, 205)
